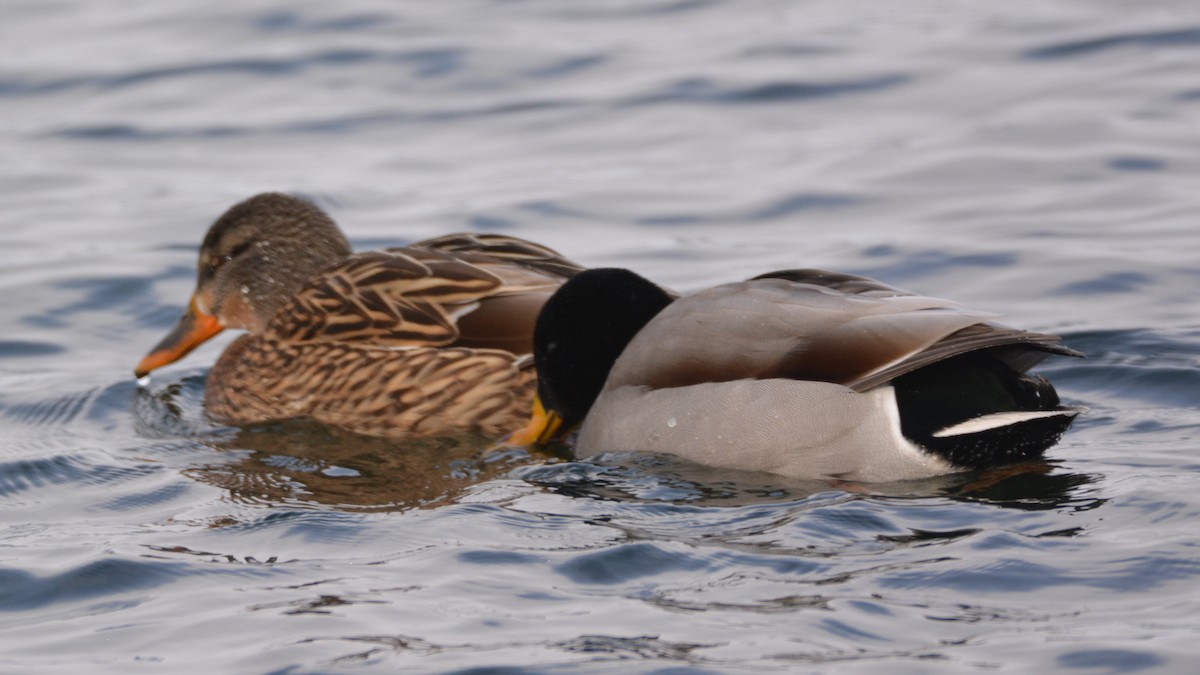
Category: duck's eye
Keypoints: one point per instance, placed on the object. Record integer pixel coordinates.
(208, 268)
(237, 250)
(213, 264)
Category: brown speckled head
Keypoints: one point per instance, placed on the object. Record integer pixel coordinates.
(259, 253)
(256, 256)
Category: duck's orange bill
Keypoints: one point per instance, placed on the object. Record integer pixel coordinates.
(193, 329)
(542, 428)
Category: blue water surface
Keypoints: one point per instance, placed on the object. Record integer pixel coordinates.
(1040, 160)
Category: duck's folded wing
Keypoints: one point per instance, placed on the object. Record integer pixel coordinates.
(879, 346)
(813, 325)
(414, 298)
(1020, 349)
(504, 248)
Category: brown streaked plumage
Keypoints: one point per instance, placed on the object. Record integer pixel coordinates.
(429, 339)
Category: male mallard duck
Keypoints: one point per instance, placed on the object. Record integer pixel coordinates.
(803, 373)
(428, 339)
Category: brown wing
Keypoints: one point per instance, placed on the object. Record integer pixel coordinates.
(503, 247)
(417, 297)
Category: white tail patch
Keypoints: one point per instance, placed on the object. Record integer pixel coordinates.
(997, 420)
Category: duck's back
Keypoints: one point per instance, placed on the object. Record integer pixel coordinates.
(774, 327)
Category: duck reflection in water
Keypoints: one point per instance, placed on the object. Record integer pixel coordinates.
(301, 462)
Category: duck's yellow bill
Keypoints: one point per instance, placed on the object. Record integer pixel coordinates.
(193, 329)
(543, 427)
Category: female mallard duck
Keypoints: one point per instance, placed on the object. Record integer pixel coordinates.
(429, 339)
(803, 373)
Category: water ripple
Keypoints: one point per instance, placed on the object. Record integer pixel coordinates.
(1109, 282)
(126, 295)
(568, 66)
(626, 562)
(425, 64)
(1141, 364)
(703, 90)
(783, 208)
(279, 21)
(338, 125)
(1181, 37)
(932, 262)
(52, 412)
(173, 410)
(21, 590)
(1110, 660)
(18, 349)
(641, 647)
(22, 475)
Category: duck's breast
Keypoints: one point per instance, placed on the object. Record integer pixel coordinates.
(788, 427)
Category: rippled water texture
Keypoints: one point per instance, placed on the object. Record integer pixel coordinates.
(1037, 159)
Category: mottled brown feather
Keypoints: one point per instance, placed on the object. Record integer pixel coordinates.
(502, 247)
(374, 391)
(423, 340)
(415, 297)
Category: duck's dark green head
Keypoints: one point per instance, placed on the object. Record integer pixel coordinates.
(580, 333)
